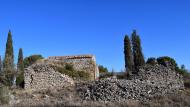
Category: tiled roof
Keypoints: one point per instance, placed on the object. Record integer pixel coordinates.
(71, 57)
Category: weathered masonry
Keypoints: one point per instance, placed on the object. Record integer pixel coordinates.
(42, 75)
(85, 63)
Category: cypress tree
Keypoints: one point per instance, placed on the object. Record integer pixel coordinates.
(128, 54)
(20, 64)
(20, 69)
(137, 50)
(8, 63)
(0, 65)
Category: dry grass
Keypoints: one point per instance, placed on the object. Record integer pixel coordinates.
(179, 99)
(4, 95)
(68, 98)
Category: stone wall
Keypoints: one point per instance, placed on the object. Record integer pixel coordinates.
(151, 81)
(42, 76)
(159, 74)
(85, 63)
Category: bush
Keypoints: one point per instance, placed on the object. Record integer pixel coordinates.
(168, 62)
(31, 60)
(102, 69)
(69, 67)
(4, 95)
(67, 70)
(20, 80)
(84, 75)
(71, 72)
(151, 61)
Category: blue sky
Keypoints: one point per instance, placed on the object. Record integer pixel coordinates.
(69, 27)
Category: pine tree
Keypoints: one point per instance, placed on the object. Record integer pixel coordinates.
(128, 54)
(20, 64)
(137, 50)
(8, 63)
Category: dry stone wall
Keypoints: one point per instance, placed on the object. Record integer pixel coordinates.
(151, 81)
(42, 76)
(159, 74)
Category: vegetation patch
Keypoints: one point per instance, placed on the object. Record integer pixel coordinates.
(70, 71)
(31, 60)
(20, 80)
(4, 95)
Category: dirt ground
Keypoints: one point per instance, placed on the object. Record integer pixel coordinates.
(68, 97)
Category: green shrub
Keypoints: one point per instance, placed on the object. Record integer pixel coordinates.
(4, 95)
(151, 61)
(69, 67)
(31, 60)
(20, 80)
(102, 69)
(84, 75)
(63, 70)
(165, 60)
(172, 64)
(71, 72)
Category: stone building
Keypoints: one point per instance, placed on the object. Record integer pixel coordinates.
(42, 75)
(85, 63)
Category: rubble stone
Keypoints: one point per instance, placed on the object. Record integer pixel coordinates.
(41, 76)
(151, 81)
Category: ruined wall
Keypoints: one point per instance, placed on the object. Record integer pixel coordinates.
(85, 63)
(150, 82)
(42, 76)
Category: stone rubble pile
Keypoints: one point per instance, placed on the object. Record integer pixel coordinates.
(41, 76)
(149, 82)
(159, 75)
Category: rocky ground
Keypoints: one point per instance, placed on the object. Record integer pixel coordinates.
(152, 86)
(121, 90)
(69, 97)
(150, 82)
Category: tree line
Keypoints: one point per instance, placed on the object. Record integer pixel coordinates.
(134, 57)
(8, 69)
(12, 74)
(133, 52)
